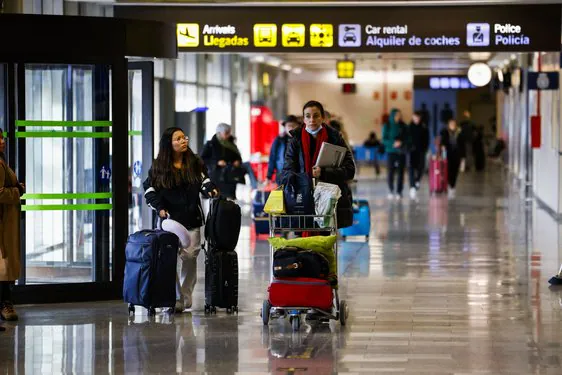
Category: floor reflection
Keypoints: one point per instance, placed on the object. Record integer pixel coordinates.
(312, 350)
(441, 287)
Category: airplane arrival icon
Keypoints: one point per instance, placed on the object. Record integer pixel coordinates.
(188, 34)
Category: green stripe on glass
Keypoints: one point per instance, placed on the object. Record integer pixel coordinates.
(135, 132)
(68, 196)
(5, 134)
(69, 124)
(59, 134)
(67, 207)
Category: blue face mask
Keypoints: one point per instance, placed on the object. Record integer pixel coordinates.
(313, 132)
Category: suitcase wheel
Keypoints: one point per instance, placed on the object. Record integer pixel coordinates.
(232, 310)
(344, 312)
(151, 311)
(265, 312)
(131, 309)
(210, 309)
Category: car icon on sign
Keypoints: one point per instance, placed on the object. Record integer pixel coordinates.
(349, 37)
(293, 38)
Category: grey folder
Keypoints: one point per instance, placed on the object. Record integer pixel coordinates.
(330, 155)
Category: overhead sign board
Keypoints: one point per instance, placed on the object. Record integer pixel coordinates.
(520, 28)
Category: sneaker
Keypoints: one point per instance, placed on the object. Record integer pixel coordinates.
(413, 193)
(8, 312)
(390, 196)
(452, 193)
(417, 186)
(398, 197)
(187, 302)
(178, 309)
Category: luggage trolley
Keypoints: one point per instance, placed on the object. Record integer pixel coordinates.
(284, 224)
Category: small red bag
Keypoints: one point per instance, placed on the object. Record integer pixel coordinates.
(300, 292)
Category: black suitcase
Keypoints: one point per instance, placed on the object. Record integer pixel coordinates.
(222, 228)
(150, 270)
(221, 281)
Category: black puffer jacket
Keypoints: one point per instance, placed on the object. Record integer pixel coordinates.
(182, 202)
(294, 162)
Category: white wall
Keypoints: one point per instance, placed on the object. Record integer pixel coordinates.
(360, 112)
(546, 159)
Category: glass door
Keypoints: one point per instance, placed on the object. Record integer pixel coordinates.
(67, 171)
(141, 135)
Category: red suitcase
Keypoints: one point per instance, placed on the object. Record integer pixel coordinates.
(438, 177)
(300, 292)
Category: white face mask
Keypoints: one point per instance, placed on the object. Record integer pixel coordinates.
(313, 132)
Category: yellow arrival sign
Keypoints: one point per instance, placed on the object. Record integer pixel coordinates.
(321, 35)
(293, 35)
(188, 34)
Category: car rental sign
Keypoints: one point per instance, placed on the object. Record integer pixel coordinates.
(517, 28)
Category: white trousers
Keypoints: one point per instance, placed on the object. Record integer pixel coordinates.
(186, 276)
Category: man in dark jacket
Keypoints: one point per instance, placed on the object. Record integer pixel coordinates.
(223, 161)
(419, 144)
(295, 163)
(277, 153)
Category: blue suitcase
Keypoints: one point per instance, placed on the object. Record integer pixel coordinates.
(150, 270)
(260, 218)
(361, 220)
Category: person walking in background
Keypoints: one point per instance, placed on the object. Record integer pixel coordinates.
(11, 191)
(394, 139)
(174, 183)
(478, 149)
(453, 142)
(419, 144)
(446, 114)
(223, 161)
(278, 148)
(375, 146)
(468, 129)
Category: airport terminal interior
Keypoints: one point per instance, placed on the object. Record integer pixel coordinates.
(434, 278)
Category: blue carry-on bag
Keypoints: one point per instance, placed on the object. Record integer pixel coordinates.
(261, 219)
(150, 270)
(361, 220)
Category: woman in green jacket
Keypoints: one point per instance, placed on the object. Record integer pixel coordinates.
(394, 140)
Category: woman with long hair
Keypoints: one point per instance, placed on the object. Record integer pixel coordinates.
(172, 189)
(10, 192)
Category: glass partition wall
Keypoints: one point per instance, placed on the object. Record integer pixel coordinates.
(65, 190)
(57, 120)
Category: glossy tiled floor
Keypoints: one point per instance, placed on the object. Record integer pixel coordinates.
(442, 287)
